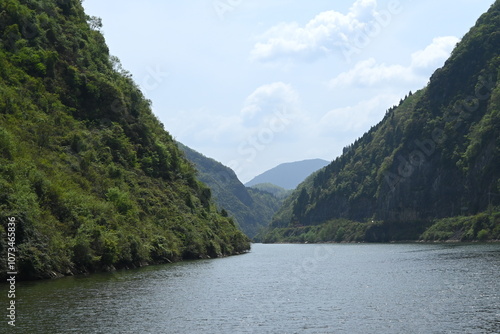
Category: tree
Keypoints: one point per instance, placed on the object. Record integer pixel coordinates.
(95, 23)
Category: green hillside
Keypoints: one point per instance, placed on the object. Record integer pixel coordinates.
(277, 191)
(435, 156)
(88, 172)
(252, 208)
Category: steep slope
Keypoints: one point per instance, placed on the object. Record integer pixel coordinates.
(436, 155)
(253, 209)
(288, 175)
(86, 170)
(277, 191)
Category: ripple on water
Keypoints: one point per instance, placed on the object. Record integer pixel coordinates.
(396, 288)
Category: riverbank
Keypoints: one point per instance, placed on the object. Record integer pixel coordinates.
(83, 271)
(482, 227)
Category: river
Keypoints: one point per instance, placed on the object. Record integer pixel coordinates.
(331, 288)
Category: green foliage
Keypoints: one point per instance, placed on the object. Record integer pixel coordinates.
(276, 191)
(252, 208)
(89, 173)
(339, 230)
(434, 155)
(483, 226)
(120, 199)
(343, 230)
(6, 144)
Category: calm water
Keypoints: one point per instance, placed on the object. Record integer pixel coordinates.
(390, 288)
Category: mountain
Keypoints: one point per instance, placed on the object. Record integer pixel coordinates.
(252, 208)
(88, 174)
(277, 191)
(288, 175)
(429, 170)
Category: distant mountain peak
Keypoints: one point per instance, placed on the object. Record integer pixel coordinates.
(430, 169)
(252, 208)
(290, 174)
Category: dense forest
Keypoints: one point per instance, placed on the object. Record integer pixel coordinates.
(251, 207)
(88, 172)
(434, 156)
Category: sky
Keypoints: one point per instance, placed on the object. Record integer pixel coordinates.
(257, 83)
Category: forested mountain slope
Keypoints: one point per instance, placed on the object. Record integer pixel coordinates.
(89, 174)
(436, 155)
(252, 208)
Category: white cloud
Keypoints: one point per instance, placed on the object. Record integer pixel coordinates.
(265, 107)
(267, 100)
(363, 9)
(328, 31)
(268, 120)
(357, 118)
(434, 54)
(369, 73)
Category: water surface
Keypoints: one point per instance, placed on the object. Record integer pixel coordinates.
(348, 288)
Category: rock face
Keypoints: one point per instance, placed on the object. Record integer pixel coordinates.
(435, 155)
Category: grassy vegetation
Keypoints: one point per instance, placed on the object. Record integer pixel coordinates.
(343, 230)
(339, 230)
(481, 227)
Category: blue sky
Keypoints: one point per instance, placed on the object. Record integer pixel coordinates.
(255, 83)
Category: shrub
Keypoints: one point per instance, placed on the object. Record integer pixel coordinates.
(483, 235)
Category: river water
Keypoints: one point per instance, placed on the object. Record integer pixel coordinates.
(346, 288)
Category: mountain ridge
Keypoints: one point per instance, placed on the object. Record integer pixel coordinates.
(290, 174)
(252, 208)
(434, 156)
